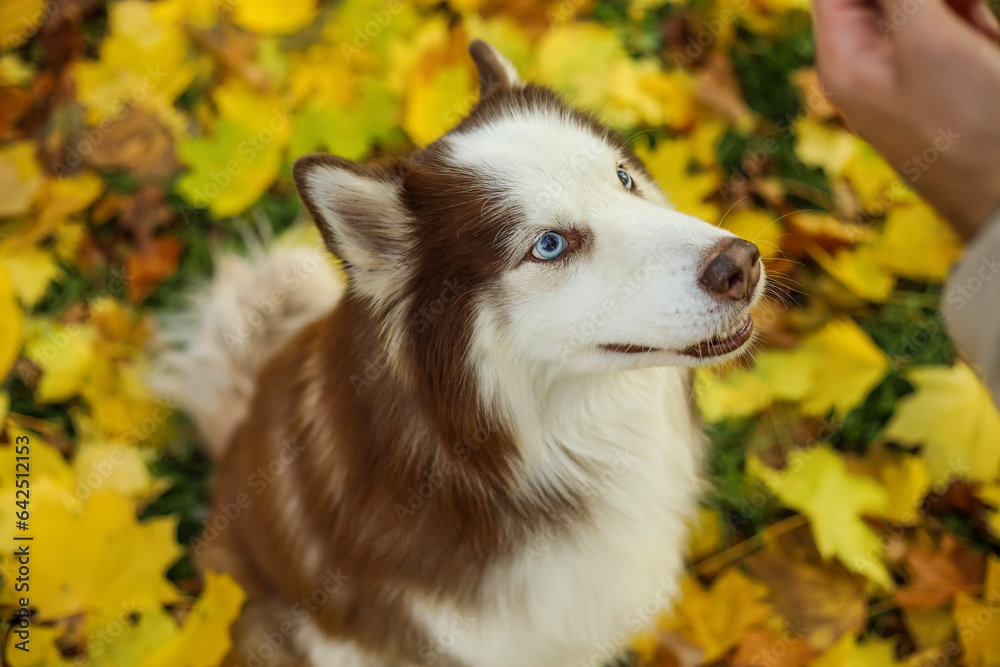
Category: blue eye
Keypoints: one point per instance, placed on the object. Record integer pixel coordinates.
(549, 246)
(625, 179)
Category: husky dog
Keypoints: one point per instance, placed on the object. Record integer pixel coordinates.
(482, 451)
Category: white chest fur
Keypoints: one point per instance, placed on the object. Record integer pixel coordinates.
(575, 596)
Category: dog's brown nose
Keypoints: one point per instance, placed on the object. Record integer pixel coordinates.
(734, 272)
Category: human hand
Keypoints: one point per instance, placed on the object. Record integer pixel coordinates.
(920, 80)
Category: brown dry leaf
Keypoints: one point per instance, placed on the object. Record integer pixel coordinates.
(147, 266)
(233, 50)
(144, 213)
(139, 143)
(819, 602)
(936, 578)
(535, 18)
(62, 37)
(959, 496)
(766, 648)
(20, 105)
(673, 651)
(718, 87)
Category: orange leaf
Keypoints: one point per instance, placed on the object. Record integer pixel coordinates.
(148, 265)
(936, 578)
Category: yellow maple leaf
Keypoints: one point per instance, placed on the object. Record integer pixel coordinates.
(917, 244)
(875, 182)
(32, 271)
(113, 466)
(847, 652)
(737, 394)
(817, 483)
(382, 39)
(65, 196)
(65, 353)
(120, 407)
(322, 77)
(47, 464)
(155, 639)
(775, 375)
(116, 562)
(953, 416)
(11, 324)
(716, 618)
(905, 478)
(705, 536)
(60, 199)
(978, 623)
(859, 269)
(846, 365)
(203, 14)
(20, 178)
(14, 71)
(642, 92)
(122, 328)
(435, 104)
(579, 60)
(204, 638)
(929, 626)
(266, 17)
(41, 648)
(669, 165)
(705, 139)
(822, 145)
(990, 494)
(144, 61)
(19, 20)
(234, 166)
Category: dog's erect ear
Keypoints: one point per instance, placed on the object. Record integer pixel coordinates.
(360, 215)
(494, 69)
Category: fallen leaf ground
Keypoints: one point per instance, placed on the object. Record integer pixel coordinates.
(852, 517)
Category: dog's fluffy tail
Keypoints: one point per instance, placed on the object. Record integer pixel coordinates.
(206, 358)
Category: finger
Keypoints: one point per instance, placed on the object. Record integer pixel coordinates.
(921, 27)
(979, 15)
(852, 55)
(846, 30)
(909, 16)
(921, 23)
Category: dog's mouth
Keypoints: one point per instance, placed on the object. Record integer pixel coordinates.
(713, 347)
(723, 343)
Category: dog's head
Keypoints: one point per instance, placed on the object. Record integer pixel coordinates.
(532, 230)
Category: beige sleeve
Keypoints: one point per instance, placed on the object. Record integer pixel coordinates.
(971, 303)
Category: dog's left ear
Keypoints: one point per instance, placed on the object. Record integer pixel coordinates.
(494, 70)
(359, 212)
